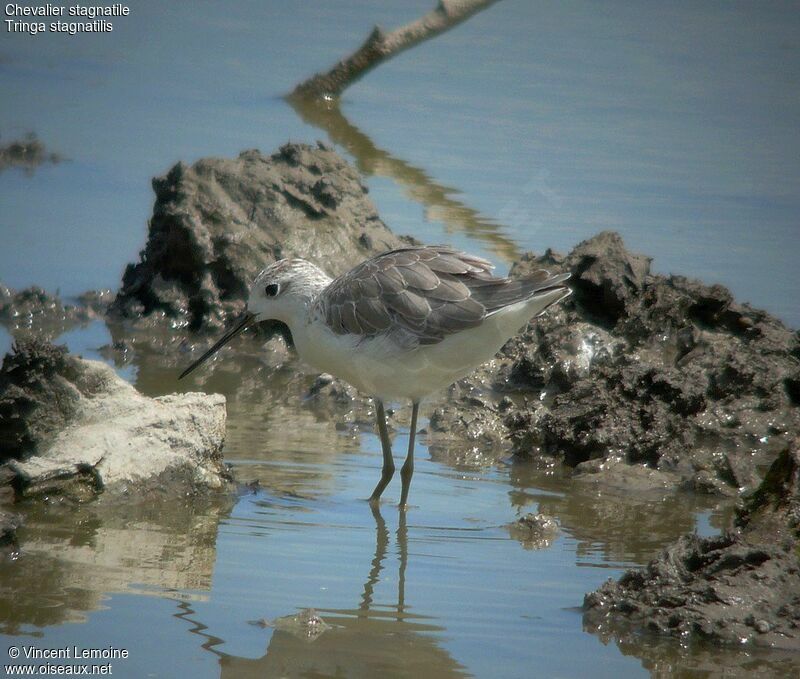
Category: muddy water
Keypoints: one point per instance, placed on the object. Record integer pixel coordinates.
(675, 126)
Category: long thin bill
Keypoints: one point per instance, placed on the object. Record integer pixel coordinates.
(245, 322)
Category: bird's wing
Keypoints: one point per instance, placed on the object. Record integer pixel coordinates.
(420, 295)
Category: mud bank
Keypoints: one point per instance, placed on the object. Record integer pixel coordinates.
(71, 428)
(638, 378)
(739, 587)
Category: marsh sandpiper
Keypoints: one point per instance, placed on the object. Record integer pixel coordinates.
(401, 325)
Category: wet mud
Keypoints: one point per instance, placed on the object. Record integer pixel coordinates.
(740, 587)
(661, 379)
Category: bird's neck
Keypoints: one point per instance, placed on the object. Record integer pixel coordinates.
(299, 310)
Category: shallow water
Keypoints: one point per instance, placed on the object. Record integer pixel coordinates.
(527, 127)
(445, 590)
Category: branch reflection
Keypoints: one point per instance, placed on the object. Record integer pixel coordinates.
(437, 198)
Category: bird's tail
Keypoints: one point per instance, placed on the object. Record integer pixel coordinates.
(540, 288)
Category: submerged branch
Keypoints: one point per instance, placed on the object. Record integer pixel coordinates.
(380, 47)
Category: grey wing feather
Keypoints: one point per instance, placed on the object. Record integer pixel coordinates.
(350, 319)
(419, 276)
(450, 290)
(408, 304)
(373, 314)
(369, 287)
(421, 295)
(388, 280)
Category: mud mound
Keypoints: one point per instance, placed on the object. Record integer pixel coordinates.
(742, 586)
(38, 396)
(641, 368)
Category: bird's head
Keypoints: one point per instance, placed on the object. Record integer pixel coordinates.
(280, 292)
(283, 288)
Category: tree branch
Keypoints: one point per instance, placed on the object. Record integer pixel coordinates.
(380, 47)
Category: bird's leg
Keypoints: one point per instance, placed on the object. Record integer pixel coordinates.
(388, 463)
(407, 470)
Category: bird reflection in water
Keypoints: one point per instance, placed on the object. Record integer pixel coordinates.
(370, 640)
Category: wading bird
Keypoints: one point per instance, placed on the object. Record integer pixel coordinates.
(401, 325)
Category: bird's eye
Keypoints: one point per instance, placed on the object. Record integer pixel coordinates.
(272, 289)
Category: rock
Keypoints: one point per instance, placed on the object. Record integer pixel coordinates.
(463, 427)
(534, 531)
(608, 280)
(652, 370)
(327, 388)
(217, 223)
(9, 523)
(97, 300)
(742, 586)
(334, 400)
(73, 428)
(609, 473)
(307, 624)
(38, 396)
